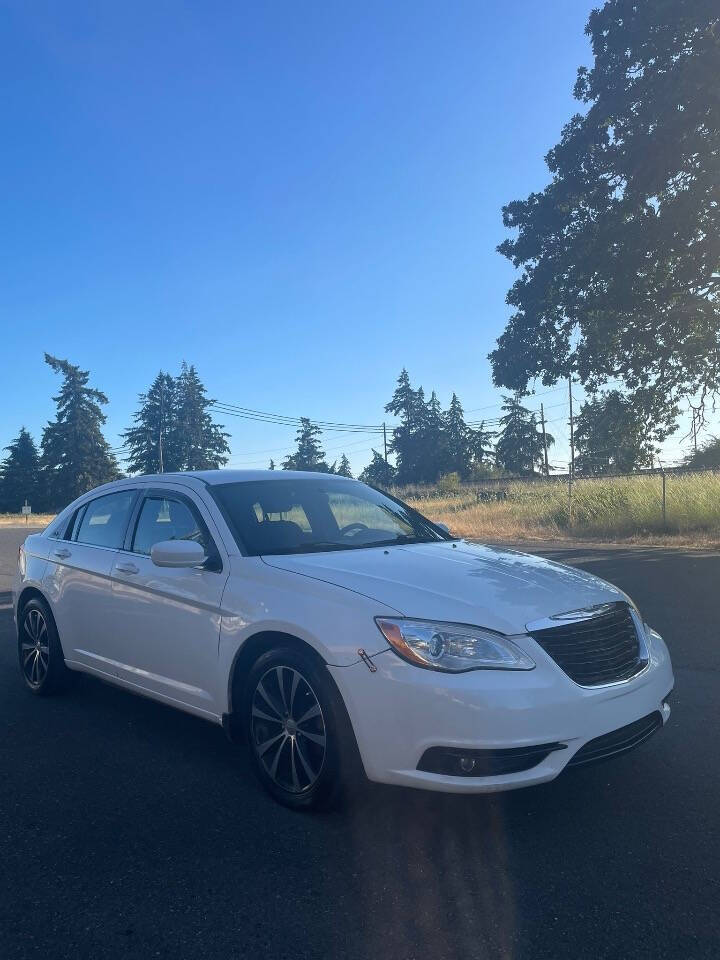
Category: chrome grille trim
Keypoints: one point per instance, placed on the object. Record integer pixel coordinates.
(600, 655)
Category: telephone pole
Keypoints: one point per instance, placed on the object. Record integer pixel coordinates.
(542, 421)
(385, 441)
(160, 432)
(572, 430)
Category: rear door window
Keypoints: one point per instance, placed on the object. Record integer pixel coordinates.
(105, 520)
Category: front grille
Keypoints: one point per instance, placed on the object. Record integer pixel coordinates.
(618, 741)
(602, 647)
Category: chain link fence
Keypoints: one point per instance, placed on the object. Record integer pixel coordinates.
(664, 502)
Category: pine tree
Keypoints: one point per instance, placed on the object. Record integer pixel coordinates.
(19, 474)
(520, 447)
(309, 454)
(343, 469)
(407, 437)
(481, 444)
(378, 473)
(75, 455)
(433, 442)
(153, 441)
(201, 443)
(459, 446)
(272, 465)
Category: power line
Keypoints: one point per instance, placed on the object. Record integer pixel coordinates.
(249, 413)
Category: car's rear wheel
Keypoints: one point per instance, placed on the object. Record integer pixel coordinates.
(298, 731)
(39, 651)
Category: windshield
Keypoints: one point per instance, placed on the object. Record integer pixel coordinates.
(304, 516)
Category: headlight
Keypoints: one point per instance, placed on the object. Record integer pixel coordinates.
(452, 647)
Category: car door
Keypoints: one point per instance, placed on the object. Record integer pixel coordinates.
(77, 578)
(166, 622)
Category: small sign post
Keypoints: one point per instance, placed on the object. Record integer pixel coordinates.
(26, 510)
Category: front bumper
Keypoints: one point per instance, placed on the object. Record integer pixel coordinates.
(401, 711)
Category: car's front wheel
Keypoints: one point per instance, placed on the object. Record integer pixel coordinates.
(299, 736)
(42, 663)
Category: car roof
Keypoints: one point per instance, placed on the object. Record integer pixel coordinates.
(210, 477)
(214, 477)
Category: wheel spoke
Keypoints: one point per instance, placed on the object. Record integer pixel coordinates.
(293, 768)
(266, 697)
(276, 759)
(314, 711)
(262, 748)
(306, 766)
(257, 712)
(293, 690)
(279, 675)
(315, 737)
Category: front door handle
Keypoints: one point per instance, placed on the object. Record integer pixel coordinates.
(63, 553)
(126, 568)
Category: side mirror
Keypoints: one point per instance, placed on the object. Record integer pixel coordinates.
(177, 553)
(444, 527)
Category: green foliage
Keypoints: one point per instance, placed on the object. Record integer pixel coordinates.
(409, 437)
(153, 441)
(427, 440)
(174, 429)
(378, 473)
(487, 471)
(707, 457)
(611, 436)
(309, 454)
(343, 469)
(75, 455)
(520, 446)
(201, 443)
(619, 253)
(448, 484)
(19, 474)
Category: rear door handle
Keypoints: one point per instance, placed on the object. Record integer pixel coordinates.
(126, 568)
(63, 553)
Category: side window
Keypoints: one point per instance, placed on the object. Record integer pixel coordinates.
(104, 521)
(167, 519)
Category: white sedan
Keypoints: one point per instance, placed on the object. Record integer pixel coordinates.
(339, 632)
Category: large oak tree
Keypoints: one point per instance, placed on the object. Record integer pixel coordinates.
(620, 254)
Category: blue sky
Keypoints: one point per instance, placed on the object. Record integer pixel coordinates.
(301, 199)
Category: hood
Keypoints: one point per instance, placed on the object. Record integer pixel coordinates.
(457, 582)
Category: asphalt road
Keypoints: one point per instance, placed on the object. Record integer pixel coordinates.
(130, 830)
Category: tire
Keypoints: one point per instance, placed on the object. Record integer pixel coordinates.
(40, 654)
(298, 732)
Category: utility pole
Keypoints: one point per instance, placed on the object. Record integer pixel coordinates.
(570, 485)
(542, 420)
(385, 441)
(162, 415)
(572, 431)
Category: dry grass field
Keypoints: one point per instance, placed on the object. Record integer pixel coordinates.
(613, 508)
(18, 520)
